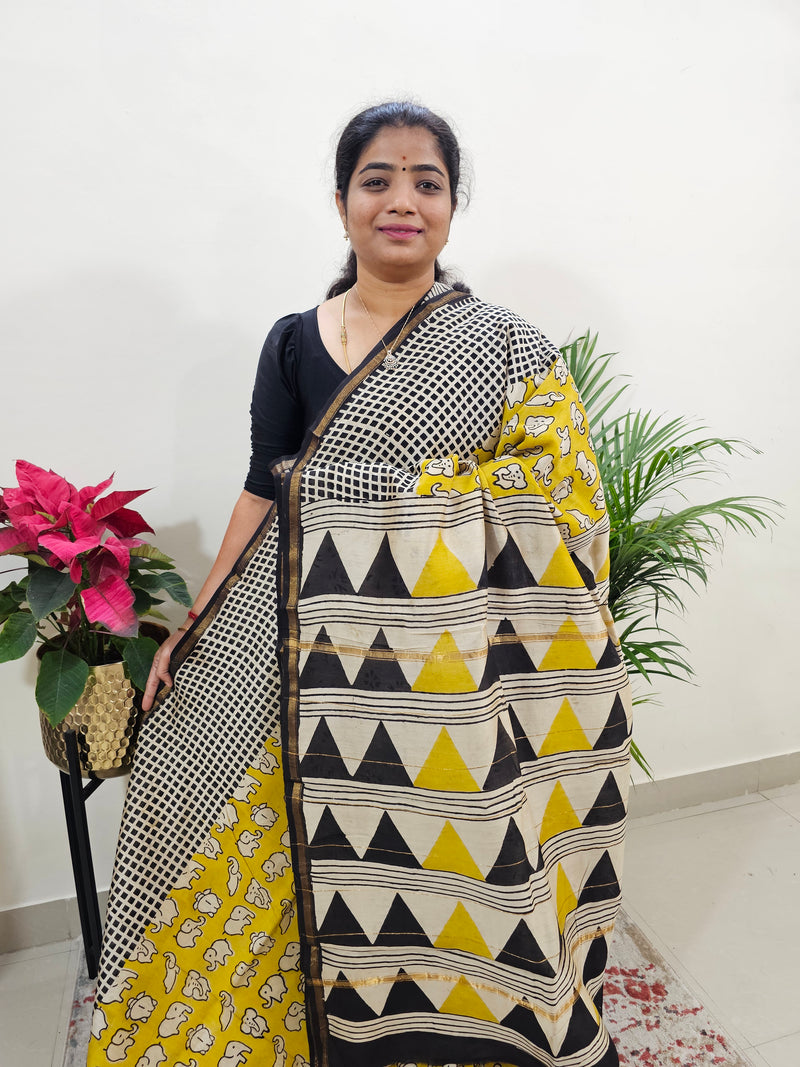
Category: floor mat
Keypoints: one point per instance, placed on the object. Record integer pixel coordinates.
(655, 1020)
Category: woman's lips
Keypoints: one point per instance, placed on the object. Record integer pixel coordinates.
(400, 232)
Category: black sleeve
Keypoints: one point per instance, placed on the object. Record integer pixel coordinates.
(276, 412)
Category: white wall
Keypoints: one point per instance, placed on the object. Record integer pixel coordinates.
(166, 196)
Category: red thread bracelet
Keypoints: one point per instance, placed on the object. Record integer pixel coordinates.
(192, 615)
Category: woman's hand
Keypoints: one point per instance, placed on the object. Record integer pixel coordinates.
(159, 671)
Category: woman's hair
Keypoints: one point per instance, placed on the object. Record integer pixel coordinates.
(359, 132)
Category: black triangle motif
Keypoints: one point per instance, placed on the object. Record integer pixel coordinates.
(322, 758)
(585, 572)
(596, 960)
(327, 575)
(522, 951)
(610, 658)
(523, 1019)
(340, 927)
(383, 580)
(323, 670)
(505, 765)
(512, 866)
(609, 806)
(581, 1031)
(490, 672)
(379, 673)
(615, 731)
(509, 570)
(601, 884)
(329, 842)
(387, 846)
(400, 928)
(525, 753)
(345, 1003)
(406, 996)
(511, 657)
(381, 763)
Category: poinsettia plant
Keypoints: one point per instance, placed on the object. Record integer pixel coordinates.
(89, 580)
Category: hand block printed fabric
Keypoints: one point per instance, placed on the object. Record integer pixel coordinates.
(398, 839)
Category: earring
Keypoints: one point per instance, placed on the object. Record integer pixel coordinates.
(346, 235)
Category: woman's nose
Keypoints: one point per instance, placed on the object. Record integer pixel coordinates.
(403, 199)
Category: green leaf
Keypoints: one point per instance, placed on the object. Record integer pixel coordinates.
(49, 590)
(170, 582)
(17, 636)
(143, 602)
(60, 685)
(174, 586)
(138, 656)
(150, 552)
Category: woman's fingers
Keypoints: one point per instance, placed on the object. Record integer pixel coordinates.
(159, 672)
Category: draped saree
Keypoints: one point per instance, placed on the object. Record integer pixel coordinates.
(379, 817)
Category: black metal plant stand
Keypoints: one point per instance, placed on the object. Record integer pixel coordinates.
(74, 793)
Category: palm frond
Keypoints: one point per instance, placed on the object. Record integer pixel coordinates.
(661, 544)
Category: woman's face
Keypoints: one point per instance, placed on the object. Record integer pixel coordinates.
(398, 206)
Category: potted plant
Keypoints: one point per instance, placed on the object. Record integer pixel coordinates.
(660, 543)
(89, 580)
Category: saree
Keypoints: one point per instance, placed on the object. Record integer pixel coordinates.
(379, 817)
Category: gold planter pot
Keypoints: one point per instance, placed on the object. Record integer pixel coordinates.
(105, 721)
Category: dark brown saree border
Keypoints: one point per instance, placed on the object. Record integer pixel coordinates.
(288, 475)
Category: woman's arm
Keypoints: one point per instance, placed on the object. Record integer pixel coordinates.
(248, 514)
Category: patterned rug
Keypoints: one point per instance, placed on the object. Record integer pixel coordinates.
(653, 1017)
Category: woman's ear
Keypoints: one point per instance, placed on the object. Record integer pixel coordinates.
(340, 207)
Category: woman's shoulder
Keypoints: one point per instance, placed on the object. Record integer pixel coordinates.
(530, 351)
(289, 328)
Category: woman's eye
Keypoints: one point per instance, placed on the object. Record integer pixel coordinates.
(429, 186)
(372, 183)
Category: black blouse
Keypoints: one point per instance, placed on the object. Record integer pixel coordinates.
(296, 376)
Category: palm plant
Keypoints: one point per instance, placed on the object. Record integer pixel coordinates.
(661, 544)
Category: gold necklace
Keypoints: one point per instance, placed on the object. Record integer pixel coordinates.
(344, 333)
(390, 360)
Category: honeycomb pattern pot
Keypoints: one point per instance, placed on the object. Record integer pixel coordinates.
(105, 721)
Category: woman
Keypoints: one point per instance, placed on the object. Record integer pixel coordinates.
(399, 839)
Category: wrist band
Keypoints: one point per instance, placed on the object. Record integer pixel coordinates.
(192, 615)
(181, 629)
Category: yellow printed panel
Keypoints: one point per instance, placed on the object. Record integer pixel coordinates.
(216, 976)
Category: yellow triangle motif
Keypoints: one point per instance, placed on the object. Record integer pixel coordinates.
(460, 932)
(445, 769)
(463, 1000)
(568, 651)
(444, 670)
(450, 854)
(566, 901)
(559, 815)
(561, 570)
(444, 574)
(566, 733)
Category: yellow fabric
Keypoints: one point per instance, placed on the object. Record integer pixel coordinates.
(235, 901)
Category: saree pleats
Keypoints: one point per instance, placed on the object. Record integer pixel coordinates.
(410, 847)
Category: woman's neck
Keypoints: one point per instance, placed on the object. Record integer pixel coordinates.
(389, 301)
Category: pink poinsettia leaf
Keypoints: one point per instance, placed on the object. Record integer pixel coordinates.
(45, 489)
(126, 523)
(111, 605)
(16, 541)
(69, 551)
(90, 493)
(112, 558)
(82, 523)
(118, 499)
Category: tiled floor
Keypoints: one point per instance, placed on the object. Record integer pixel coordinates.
(716, 889)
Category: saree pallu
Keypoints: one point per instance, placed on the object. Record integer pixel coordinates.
(379, 817)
